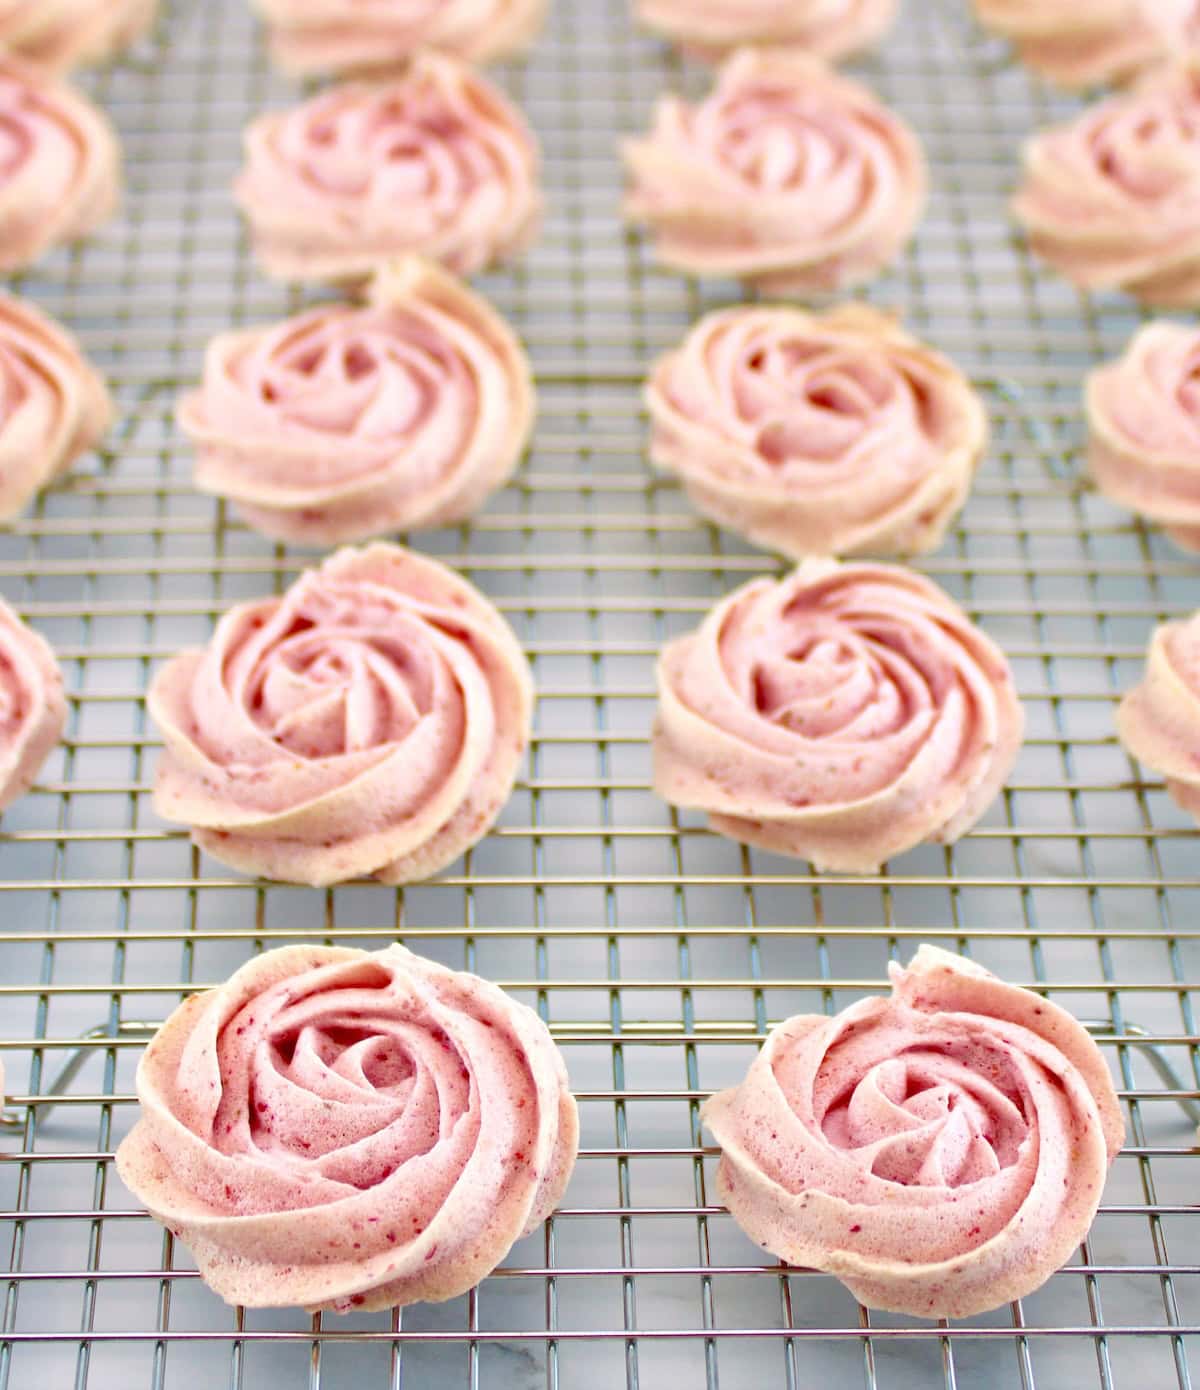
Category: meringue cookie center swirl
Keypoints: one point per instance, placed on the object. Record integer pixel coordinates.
(926, 1119)
(873, 685)
(383, 381)
(778, 142)
(329, 1081)
(405, 149)
(804, 401)
(807, 401)
(334, 690)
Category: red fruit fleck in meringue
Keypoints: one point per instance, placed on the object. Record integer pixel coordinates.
(787, 176)
(369, 722)
(348, 1130)
(345, 36)
(349, 421)
(842, 715)
(436, 163)
(1111, 199)
(33, 708)
(830, 29)
(1159, 720)
(59, 165)
(941, 1152)
(829, 434)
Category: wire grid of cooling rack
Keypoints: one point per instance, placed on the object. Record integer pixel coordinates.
(658, 953)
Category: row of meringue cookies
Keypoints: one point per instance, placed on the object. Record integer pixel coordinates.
(1111, 199)
(765, 179)
(388, 741)
(839, 434)
(371, 721)
(345, 1130)
(302, 1169)
(61, 181)
(847, 713)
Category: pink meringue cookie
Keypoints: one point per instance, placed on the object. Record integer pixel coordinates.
(33, 708)
(787, 176)
(1100, 41)
(438, 163)
(817, 434)
(841, 715)
(347, 422)
(1159, 720)
(61, 34)
(830, 29)
(349, 1130)
(1144, 429)
(53, 405)
(345, 36)
(369, 722)
(59, 165)
(1111, 199)
(941, 1152)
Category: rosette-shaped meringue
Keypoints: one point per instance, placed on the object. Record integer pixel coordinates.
(842, 715)
(438, 163)
(370, 721)
(53, 406)
(349, 37)
(59, 165)
(347, 422)
(787, 176)
(33, 708)
(1100, 41)
(832, 434)
(1111, 199)
(1159, 720)
(941, 1152)
(60, 34)
(1144, 429)
(349, 1129)
(828, 28)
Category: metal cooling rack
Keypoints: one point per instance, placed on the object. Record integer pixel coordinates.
(658, 953)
